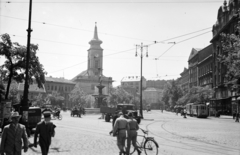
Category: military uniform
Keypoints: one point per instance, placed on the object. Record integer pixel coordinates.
(132, 133)
(120, 127)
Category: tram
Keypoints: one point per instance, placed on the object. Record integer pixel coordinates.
(198, 110)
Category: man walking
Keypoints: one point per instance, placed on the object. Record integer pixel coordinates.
(119, 130)
(237, 117)
(132, 133)
(12, 137)
(45, 130)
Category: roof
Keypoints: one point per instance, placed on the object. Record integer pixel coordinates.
(32, 88)
(131, 79)
(58, 80)
(85, 73)
(205, 53)
(153, 89)
(193, 53)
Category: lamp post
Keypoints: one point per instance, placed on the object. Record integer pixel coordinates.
(24, 104)
(141, 56)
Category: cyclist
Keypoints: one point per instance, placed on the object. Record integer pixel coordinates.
(57, 112)
(132, 133)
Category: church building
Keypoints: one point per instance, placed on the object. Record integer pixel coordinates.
(90, 78)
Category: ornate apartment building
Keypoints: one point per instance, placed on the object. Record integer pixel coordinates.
(227, 19)
(205, 67)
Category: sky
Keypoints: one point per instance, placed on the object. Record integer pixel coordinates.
(63, 29)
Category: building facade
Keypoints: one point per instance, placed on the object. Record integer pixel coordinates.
(156, 83)
(193, 67)
(152, 97)
(227, 19)
(61, 86)
(185, 80)
(133, 82)
(205, 67)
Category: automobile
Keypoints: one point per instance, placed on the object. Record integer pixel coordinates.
(124, 108)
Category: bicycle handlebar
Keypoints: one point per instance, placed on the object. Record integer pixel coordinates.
(144, 131)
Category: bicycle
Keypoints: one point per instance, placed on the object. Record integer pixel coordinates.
(58, 116)
(148, 144)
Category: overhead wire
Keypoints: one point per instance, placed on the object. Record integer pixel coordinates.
(74, 28)
(155, 42)
(115, 2)
(134, 48)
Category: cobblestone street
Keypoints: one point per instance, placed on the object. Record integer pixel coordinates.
(175, 135)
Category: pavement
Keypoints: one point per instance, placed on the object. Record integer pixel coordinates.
(174, 134)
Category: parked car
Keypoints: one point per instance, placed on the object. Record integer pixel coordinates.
(124, 108)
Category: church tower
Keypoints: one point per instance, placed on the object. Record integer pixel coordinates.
(90, 78)
(95, 54)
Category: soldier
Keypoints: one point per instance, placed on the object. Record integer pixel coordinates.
(132, 133)
(119, 130)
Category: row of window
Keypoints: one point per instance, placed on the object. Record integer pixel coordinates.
(59, 88)
(205, 69)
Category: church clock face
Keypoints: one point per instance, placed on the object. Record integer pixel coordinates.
(96, 55)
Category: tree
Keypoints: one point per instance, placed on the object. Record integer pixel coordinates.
(119, 95)
(166, 96)
(197, 95)
(230, 56)
(56, 98)
(15, 65)
(77, 96)
(171, 93)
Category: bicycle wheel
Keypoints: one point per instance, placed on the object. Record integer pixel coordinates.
(132, 149)
(150, 147)
(60, 117)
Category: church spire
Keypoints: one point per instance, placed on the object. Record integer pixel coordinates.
(95, 40)
(95, 37)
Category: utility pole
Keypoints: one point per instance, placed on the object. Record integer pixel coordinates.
(141, 56)
(24, 103)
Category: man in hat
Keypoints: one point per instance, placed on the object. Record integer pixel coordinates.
(132, 133)
(119, 130)
(45, 130)
(12, 137)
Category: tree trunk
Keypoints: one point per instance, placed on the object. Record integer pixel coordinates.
(8, 85)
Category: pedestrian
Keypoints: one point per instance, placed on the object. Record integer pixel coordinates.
(237, 117)
(120, 130)
(234, 114)
(132, 133)
(184, 113)
(46, 130)
(12, 137)
(115, 116)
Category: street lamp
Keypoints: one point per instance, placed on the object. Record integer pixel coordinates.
(141, 56)
(24, 102)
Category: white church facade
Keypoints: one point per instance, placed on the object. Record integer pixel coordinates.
(90, 78)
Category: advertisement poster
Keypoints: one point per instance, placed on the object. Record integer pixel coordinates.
(7, 109)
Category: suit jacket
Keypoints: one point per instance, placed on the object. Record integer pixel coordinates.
(45, 132)
(13, 138)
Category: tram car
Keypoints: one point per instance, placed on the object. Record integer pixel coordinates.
(198, 110)
(189, 109)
